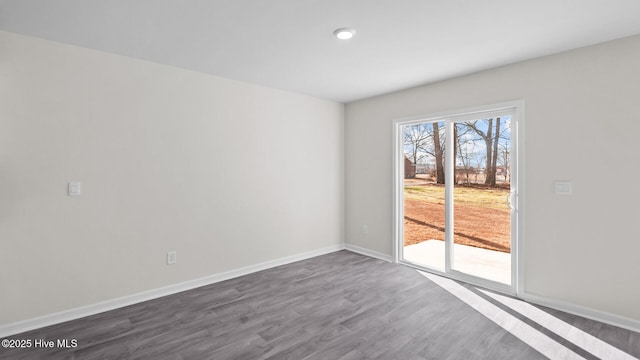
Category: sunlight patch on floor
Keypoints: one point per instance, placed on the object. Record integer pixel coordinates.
(532, 337)
(584, 340)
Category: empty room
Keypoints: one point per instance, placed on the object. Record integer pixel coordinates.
(319, 179)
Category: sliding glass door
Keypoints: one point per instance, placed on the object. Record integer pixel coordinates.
(455, 191)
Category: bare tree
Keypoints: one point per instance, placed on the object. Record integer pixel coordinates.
(496, 138)
(465, 148)
(487, 137)
(505, 162)
(416, 141)
(505, 135)
(438, 153)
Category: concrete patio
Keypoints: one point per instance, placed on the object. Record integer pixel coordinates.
(488, 264)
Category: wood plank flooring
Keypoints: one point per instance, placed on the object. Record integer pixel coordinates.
(340, 306)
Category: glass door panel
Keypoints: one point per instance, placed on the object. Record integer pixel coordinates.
(424, 194)
(481, 216)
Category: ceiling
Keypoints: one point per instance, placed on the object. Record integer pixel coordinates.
(289, 44)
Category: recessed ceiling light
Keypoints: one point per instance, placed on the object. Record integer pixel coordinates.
(344, 33)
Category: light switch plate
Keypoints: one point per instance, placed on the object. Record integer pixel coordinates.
(172, 257)
(75, 188)
(562, 188)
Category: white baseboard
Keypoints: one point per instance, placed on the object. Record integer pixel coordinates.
(367, 252)
(76, 313)
(589, 313)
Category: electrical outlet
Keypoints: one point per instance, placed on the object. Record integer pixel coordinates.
(74, 188)
(171, 257)
(365, 229)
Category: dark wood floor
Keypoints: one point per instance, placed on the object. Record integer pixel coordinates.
(340, 306)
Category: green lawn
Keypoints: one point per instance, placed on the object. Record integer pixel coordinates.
(492, 198)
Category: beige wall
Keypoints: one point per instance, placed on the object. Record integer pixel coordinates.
(582, 124)
(227, 174)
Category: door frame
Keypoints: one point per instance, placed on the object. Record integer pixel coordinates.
(516, 108)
